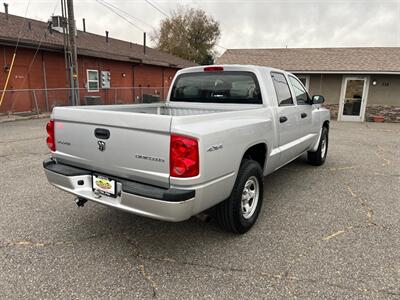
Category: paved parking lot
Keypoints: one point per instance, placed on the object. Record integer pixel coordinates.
(330, 231)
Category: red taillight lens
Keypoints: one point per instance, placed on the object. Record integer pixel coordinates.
(184, 156)
(213, 69)
(51, 142)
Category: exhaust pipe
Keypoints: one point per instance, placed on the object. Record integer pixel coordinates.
(80, 202)
(204, 217)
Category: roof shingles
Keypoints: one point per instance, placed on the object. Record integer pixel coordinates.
(369, 59)
(87, 43)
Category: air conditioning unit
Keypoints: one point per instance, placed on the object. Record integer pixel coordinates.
(58, 23)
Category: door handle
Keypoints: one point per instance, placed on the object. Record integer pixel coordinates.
(303, 115)
(282, 119)
(102, 133)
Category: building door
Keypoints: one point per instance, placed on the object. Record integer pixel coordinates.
(20, 98)
(353, 99)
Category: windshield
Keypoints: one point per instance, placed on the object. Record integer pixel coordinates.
(217, 87)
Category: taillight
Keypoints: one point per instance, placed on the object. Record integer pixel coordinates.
(184, 156)
(51, 142)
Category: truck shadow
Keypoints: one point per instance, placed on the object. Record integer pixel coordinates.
(153, 238)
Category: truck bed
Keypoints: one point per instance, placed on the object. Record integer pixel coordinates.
(134, 131)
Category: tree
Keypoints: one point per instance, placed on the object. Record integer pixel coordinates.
(190, 34)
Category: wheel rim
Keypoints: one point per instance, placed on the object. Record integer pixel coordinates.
(323, 147)
(250, 195)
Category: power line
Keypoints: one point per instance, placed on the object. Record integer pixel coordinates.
(121, 16)
(113, 8)
(22, 25)
(127, 14)
(158, 9)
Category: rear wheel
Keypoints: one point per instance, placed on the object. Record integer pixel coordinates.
(240, 211)
(318, 157)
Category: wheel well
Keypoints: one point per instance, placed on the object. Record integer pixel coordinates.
(326, 125)
(257, 153)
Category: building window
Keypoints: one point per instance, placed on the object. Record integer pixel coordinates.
(92, 80)
(305, 80)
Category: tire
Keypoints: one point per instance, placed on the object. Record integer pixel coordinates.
(234, 214)
(318, 157)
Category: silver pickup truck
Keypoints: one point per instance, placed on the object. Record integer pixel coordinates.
(221, 129)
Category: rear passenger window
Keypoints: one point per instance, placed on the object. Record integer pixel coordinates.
(299, 91)
(282, 89)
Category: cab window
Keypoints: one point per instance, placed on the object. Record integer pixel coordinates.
(217, 87)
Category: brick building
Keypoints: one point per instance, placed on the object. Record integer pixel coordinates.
(40, 65)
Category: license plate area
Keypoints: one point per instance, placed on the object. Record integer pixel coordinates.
(104, 185)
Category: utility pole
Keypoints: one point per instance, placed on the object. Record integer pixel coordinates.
(74, 55)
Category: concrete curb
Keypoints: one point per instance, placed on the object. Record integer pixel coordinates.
(12, 118)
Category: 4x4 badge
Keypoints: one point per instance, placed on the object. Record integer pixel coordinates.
(102, 145)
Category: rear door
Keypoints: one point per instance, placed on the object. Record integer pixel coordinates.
(304, 113)
(287, 118)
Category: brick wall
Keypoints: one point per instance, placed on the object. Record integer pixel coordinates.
(391, 113)
(124, 75)
(147, 77)
(121, 76)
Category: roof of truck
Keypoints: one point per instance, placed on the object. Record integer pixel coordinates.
(230, 67)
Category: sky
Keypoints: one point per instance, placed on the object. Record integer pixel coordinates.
(244, 24)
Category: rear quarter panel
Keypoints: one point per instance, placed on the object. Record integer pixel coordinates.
(236, 131)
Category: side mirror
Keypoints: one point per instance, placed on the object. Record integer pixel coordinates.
(317, 99)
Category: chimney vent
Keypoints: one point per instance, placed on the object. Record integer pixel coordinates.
(84, 24)
(106, 36)
(144, 42)
(6, 10)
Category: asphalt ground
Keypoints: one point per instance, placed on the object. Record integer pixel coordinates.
(324, 232)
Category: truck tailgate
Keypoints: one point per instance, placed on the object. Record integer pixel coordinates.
(137, 147)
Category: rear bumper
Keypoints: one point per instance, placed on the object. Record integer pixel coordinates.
(164, 204)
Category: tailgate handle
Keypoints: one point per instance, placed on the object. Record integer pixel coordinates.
(102, 133)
